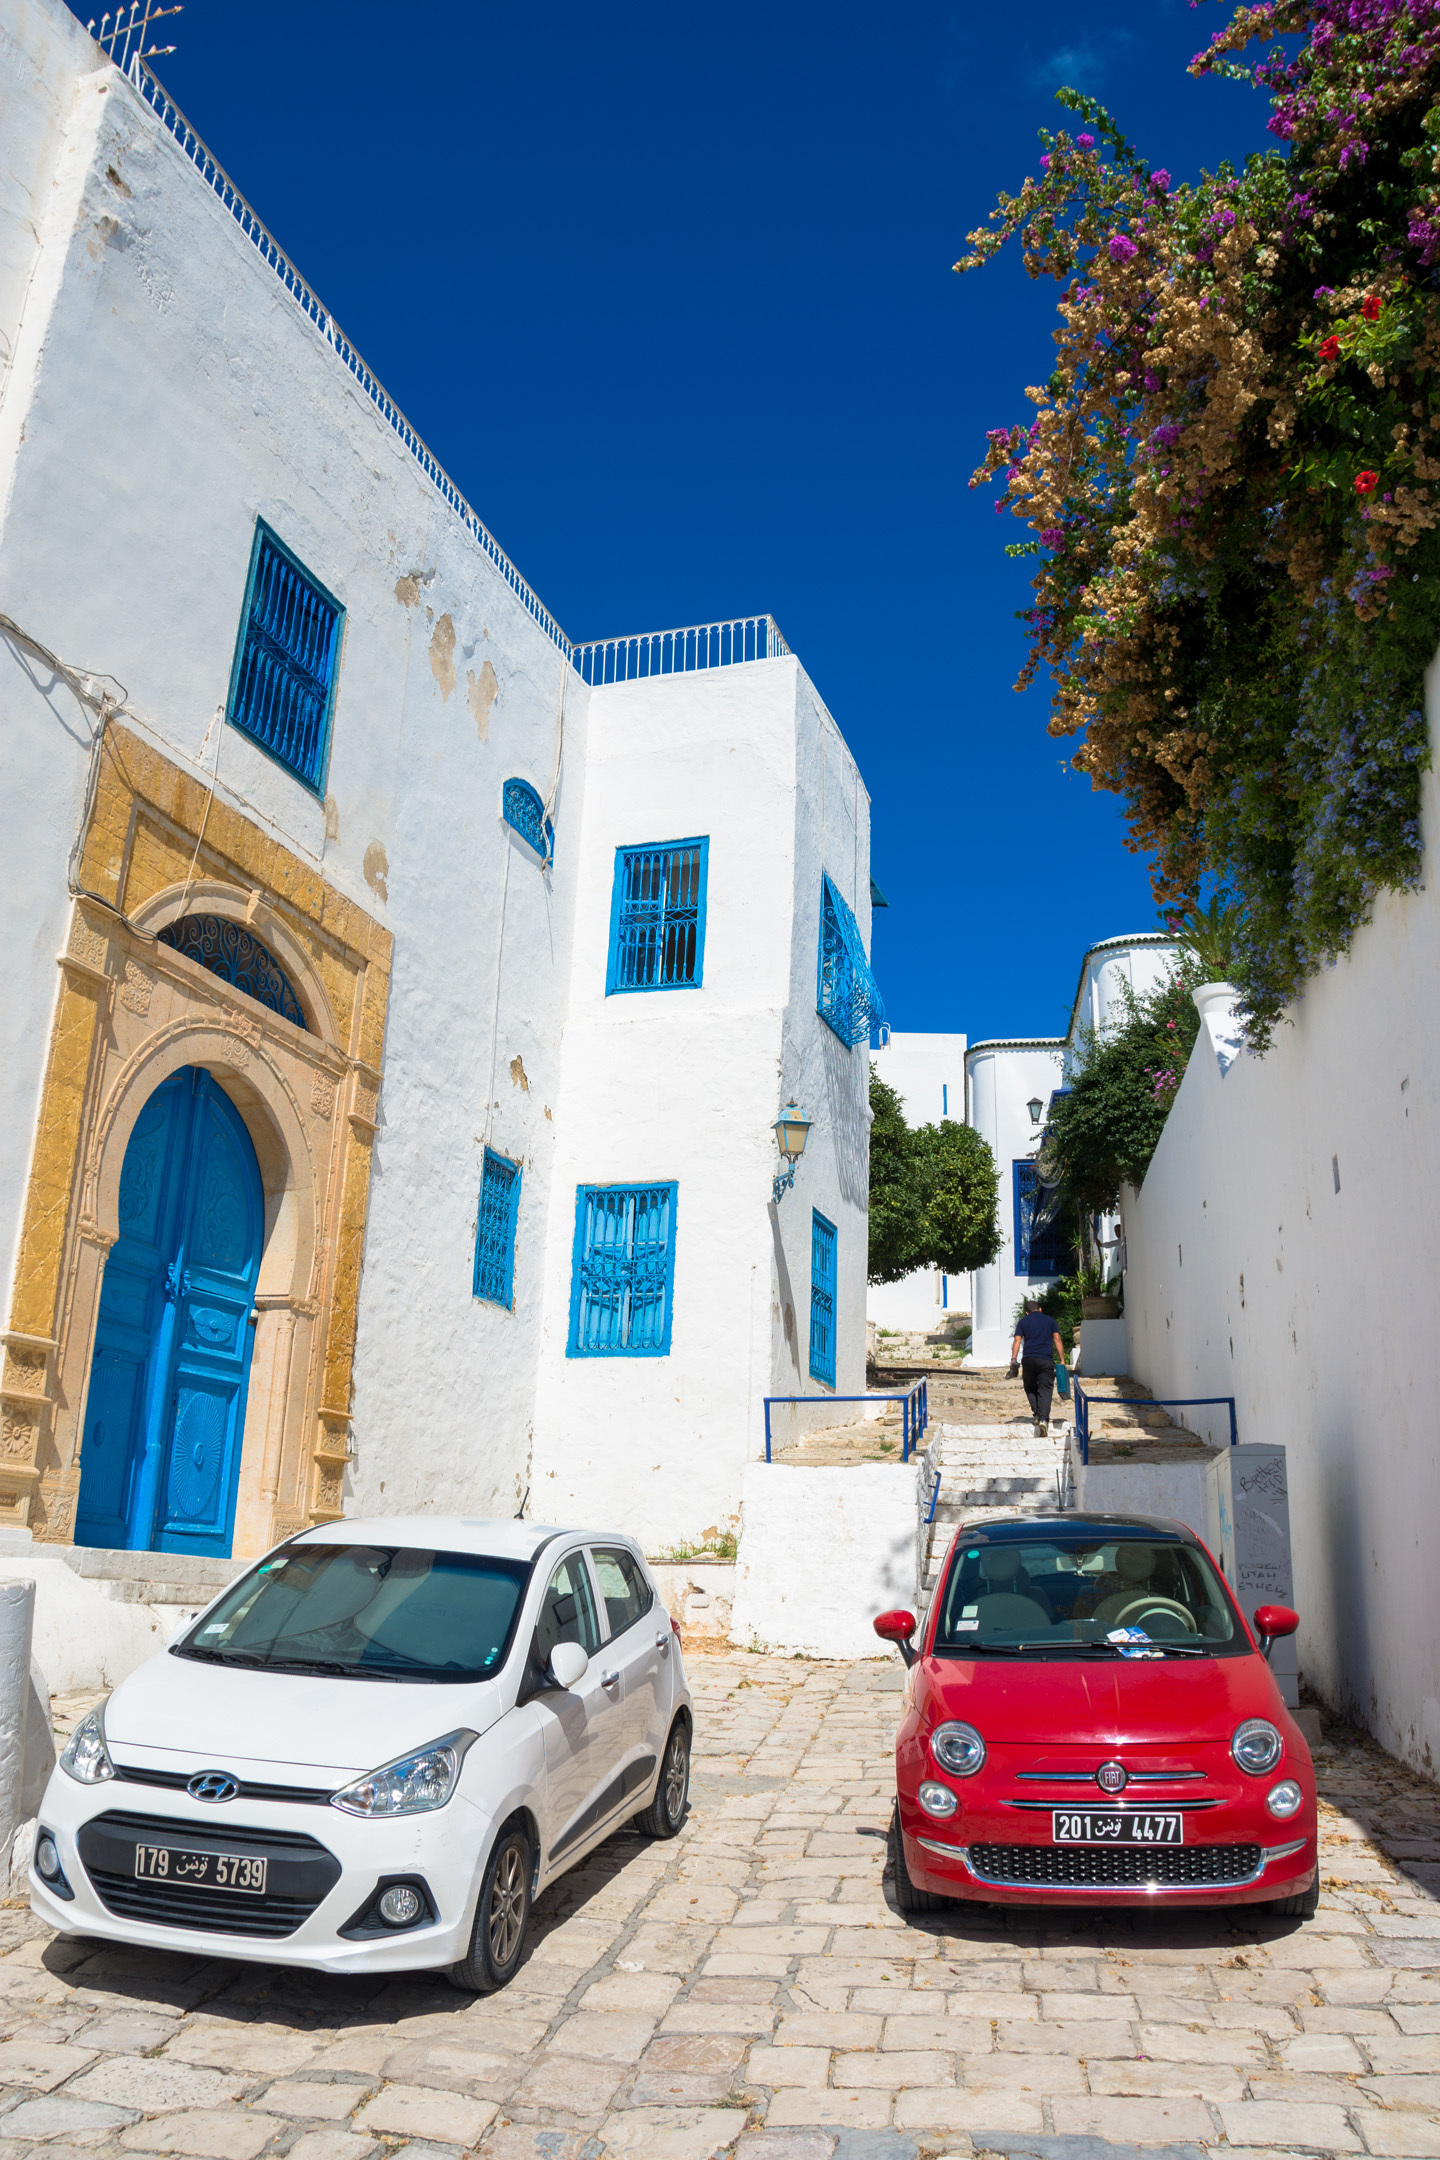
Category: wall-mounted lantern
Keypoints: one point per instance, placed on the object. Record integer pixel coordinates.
(792, 1130)
(1035, 1106)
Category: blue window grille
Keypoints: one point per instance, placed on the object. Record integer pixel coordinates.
(847, 996)
(282, 685)
(822, 1298)
(657, 917)
(233, 953)
(1041, 1246)
(523, 809)
(624, 1271)
(495, 1229)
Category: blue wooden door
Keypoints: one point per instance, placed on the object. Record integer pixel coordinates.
(166, 1408)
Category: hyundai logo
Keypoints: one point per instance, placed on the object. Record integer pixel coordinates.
(213, 1785)
(1111, 1777)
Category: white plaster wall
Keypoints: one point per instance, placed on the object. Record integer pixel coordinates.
(928, 1074)
(1250, 1274)
(821, 1553)
(165, 391)
(1111, 967)
(686, 1084)
(1001, 1078)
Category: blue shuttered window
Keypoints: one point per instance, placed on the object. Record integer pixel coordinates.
(1040, 1245)
(624, 1271)
(523, 809)
(822, 1298)
(847, 996)
(657, 917)
(282, 686)
(495, 1230)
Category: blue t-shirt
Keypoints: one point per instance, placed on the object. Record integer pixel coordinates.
(1037, 1335)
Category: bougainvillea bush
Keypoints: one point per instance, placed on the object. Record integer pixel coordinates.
(1233, 478)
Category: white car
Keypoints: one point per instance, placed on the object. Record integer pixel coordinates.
(373, 1751)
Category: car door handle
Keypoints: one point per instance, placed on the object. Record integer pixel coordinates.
(662, 1643)
(609, 1679)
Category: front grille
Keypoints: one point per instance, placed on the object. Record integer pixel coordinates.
(177, 1780)
(1115, 1866)
(301, 1872)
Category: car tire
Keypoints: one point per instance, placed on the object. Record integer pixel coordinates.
(1303, 1906)
(666, 1812)
(907, 1897)
(502, 1916)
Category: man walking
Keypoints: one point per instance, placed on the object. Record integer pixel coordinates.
(1033, 1353)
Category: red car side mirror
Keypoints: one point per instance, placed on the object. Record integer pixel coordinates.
(1273, 1621)
(897, 1627)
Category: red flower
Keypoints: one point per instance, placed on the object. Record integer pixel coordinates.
(1370, 307)
(1365, 482)
(1330, 348)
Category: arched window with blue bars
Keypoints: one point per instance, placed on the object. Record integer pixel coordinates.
(524, 812)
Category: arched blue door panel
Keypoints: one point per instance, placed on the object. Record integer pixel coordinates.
(166, 1409)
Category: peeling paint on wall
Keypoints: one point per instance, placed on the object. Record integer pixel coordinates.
(332, 818)
(377, 869)
(517, 1073)
(407, 590)
(480, 694)
(442, 655)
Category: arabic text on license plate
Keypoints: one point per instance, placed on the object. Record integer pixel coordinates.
(1114, 1828)
(201, 1870)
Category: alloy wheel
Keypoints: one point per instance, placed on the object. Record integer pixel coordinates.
(507, 1904)
(677, 1764)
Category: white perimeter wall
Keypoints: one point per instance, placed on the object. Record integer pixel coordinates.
(165, 390)
(1250, 1274)
(927, 1072)
(1002, 1078)
(821, 1554)
(686, 1085)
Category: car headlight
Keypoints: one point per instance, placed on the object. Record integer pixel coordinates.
(86, 1757)
(937, 1800)
(1257, 1746)
(1284, 1799)
(412, 1784)
(958, 1749)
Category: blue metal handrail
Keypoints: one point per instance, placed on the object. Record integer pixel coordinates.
(1146, 1402)
(914, 1412)
(934, 1498)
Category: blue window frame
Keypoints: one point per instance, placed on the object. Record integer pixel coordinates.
(495, 1229)
(847, 996)
(657, 917)
(1041, 1247)
(282, 683)
(623, 1272)
(822, 1298)
(522, 808)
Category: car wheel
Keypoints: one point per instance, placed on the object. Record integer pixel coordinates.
(1303, 1906)
(502, 1916)
(666, 1811)
(907, 1897)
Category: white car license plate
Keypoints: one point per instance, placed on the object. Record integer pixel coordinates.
(1112, 1827)
(201, 1870)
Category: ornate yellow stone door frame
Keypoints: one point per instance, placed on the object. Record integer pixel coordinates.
(130, 1012)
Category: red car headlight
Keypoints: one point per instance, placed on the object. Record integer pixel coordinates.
(958, 1748)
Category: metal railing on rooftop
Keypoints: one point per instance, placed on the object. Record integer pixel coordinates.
(681, 652)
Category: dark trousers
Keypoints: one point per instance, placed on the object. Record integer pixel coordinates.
(1038, 1376)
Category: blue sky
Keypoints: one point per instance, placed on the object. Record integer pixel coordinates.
(668, 290)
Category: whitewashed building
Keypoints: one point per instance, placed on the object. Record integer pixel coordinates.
(927, 1072)
(399, 996)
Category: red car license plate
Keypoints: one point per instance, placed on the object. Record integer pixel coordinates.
(1111, 1826)
(201, 1870)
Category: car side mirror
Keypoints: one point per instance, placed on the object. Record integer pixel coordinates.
(568, 1664)
(1273, 1621)
(897, 1627)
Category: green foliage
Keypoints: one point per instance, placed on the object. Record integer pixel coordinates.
(1105, 1130)
(934, 1193)
(1233, 477)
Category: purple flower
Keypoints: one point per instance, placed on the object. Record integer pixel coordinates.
(1045, 162)
(1152, 381)
(1086, 142)
(1167, 435)
(1160, 181)
(1122, 248)
(1053, 536)
(1324, 292)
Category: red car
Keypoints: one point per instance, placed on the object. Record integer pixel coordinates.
(1089, 1717)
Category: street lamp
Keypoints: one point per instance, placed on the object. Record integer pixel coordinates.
(1035, 1106)
(792, 1130)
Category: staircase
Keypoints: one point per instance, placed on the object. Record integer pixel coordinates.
(990, 1460)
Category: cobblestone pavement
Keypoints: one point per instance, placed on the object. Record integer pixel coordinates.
(748, 1990)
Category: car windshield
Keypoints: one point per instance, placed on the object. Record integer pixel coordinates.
(1078, 1594)
(367, 1612)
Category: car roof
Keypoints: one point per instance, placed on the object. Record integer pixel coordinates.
(1020, 1529)
(496, 1537)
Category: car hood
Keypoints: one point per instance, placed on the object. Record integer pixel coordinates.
(1125, 1701)
(177, 1712)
